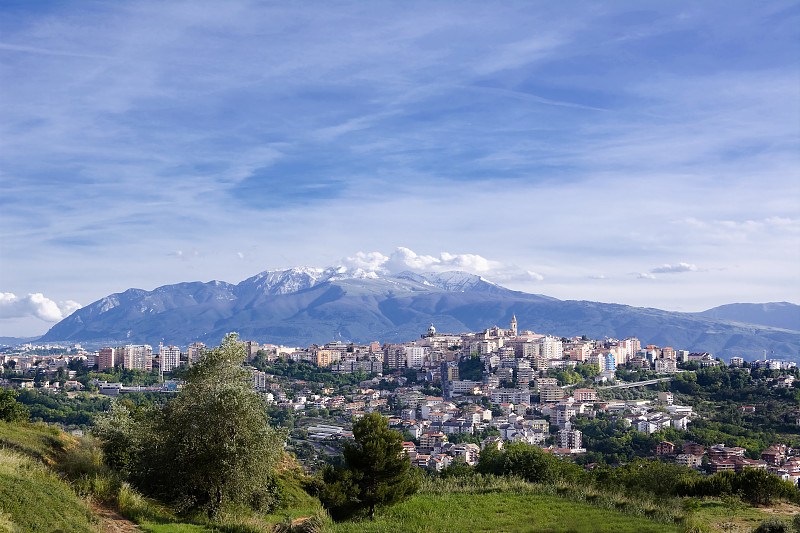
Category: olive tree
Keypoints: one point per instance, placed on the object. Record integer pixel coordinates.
(211, 444)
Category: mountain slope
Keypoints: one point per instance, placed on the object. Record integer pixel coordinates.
(775, 314)
(302, 306)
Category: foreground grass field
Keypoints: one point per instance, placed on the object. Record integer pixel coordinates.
(36, 462)
(501, 512)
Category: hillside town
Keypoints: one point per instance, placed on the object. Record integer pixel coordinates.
(450, 395)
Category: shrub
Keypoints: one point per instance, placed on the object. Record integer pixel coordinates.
(773, 525)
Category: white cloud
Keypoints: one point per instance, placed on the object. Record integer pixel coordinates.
(370, 261)
(37, 305)
(597, 276)
(671, 269)
(404, 259)
(645, 275)
(534, 275)
(240, 255)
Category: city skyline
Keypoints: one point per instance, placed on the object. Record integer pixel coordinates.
(637, 153)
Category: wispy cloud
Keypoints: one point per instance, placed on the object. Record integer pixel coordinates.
(671, 269)
(45, 51)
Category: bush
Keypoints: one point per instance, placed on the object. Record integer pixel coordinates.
(773, 525)
(527, 462)
(10, 409)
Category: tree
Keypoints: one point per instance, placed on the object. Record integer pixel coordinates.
(119, 437)
(211, 444)
(10, 409)
(377, 473)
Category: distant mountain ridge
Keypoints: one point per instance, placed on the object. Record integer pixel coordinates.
(775, 314)
(301, 306)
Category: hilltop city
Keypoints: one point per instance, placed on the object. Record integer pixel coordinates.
(452, 395)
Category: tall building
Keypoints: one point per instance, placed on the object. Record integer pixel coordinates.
(629, 347)
(514, 326)
(105, 358)
(449, 372)
(394, 356)
(326, 357)
(415, 356)
(169, 357)
(251, 348)
(195, 352)
(138, 357)
(550, 347)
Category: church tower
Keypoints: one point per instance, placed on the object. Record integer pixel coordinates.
(514, 325)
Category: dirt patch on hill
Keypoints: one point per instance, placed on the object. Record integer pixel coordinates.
(111, 521)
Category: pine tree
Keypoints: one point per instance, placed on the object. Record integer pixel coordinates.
(377, 473)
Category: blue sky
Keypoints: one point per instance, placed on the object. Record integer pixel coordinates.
(636, 152)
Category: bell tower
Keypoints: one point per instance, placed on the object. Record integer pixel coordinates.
(514, 325)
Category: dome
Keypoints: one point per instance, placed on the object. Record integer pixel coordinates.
(431, 330)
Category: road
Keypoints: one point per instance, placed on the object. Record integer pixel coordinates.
(637, 383)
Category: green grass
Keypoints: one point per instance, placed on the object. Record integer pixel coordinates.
(33, 498)
(488, 503)
(38, 441)
(47, 478)
(500, 512)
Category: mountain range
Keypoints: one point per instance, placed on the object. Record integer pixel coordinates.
(301, 306)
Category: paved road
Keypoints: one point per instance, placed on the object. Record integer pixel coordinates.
(636, 384)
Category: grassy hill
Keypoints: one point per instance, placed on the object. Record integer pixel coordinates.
(51, 481)
(32, 495)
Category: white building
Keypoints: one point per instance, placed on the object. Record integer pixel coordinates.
(415, 356)
(550, 347)
(169, 357)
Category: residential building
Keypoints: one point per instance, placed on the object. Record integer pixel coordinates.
(105, 358)
(138, 357)
(195, 352)
(571, 439)
(550, 347)
(665, 398)
(692, 448)
(394, 356)
(500, 396)
(665, 366)
(169, 357)
(665, 448)
(687, 459)
(585, 395)
(551, 394)
(415, 356)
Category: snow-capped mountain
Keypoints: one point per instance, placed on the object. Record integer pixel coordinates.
(302, 305)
